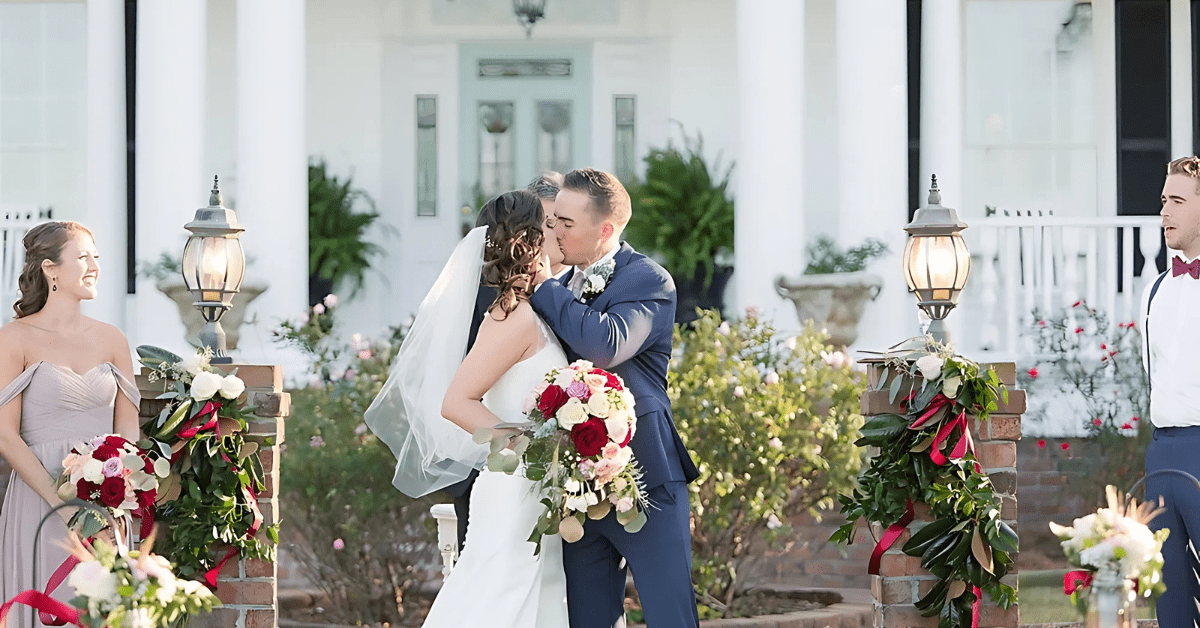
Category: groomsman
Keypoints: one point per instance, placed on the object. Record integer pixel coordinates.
(1170, 306)
(546, 187)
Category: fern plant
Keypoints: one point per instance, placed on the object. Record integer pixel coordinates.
(683, 211)
(337, 247)
(825, 257)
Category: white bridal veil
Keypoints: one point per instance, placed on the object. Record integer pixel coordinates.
(431, 452)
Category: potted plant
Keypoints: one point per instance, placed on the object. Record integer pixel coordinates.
(337, 247)
(834, 288)
(167, 273)
(683, 217)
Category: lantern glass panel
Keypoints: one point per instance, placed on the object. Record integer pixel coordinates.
(936, 262)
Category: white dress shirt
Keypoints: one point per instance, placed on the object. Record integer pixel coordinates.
(1174, 344)
(576, 283)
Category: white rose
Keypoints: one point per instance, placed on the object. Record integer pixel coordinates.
(564, 378)
(583, 366)
(572, 413)
(595, 283)
(529, 404)
(596, 382)
(205, 385)
(232, 387)
(627, 399)
(618, 429)
(571, 486)
(598, 405)
(93, 581)
(930, 367)
(93, 471)
(192, 364)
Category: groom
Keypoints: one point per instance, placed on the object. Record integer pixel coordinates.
(617, 309)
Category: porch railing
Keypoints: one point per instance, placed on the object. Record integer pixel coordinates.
(15, 220)
(1046, 263)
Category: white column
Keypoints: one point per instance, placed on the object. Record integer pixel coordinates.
(1104, 40)
(872, 99)
(106, 200)
(942, 98)
(769, 238)
(272, 162)
(170, 143)
(1181, 79)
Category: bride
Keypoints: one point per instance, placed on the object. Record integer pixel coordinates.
(434, 400)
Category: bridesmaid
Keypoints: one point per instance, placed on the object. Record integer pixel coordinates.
(64, 377)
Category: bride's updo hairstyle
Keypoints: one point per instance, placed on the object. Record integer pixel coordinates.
(514, 244)
(43, 242)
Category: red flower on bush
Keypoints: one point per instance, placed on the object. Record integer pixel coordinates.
(1079, 330)
(112, 492)
(1033, 372)
(1064, 446)
(1127, 427)
(1096, 421)
(590, 437)
(1134, 419)
(551, 400)
(1077, 304)
(105, 451)
(1041, 443)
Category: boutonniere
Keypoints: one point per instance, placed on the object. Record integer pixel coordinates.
(596, 278)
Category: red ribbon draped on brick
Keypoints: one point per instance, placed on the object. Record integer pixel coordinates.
(975, 607)
(889, 537)
(189, 428)
(964, 444)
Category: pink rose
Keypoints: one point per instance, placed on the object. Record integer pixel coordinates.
(585, 469)
(112, 467)
(339, 544)
(579, 390)
(625, 504)
(611, 450)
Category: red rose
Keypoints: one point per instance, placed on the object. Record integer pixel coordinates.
(590, 437)
(115, 441)
(87, 491)
(112, 492)
(613, 381)
(145, 499)
(105, 451)
(551, 400)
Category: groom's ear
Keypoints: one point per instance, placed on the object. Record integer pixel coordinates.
(607, 230)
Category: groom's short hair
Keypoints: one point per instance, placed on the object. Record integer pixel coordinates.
(610, 201)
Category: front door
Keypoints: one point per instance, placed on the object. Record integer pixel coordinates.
(524, 109)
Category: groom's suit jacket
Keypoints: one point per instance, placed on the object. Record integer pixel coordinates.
(628, 329)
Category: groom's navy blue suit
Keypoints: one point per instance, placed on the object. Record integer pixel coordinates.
(628, 329)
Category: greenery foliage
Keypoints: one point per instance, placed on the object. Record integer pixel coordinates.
(337, 248)
(369, 547)
(683, 211)
(966, 545)
(1097, 366)
(825, 257)
(208, 503)
(771, 424)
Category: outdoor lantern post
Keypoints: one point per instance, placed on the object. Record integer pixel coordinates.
(936, 261)
(213, 267)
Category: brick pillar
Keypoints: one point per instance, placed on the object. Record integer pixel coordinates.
(901, 580)
(247, 588)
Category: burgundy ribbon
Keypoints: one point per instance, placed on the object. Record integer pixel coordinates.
(975, 607)
(938, 402)
(189, 429)
(889, 537)
(961, 448)
(211, 576)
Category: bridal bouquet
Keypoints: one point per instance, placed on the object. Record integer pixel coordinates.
(1114, 543)
(576, 448)
(114, 473)
(136, 589)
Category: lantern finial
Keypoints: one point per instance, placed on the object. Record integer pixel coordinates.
(214, 199)
(935, 195)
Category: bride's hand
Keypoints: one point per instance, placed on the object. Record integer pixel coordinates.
(543, 272)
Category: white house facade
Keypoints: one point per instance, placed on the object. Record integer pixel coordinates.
(1047, 123)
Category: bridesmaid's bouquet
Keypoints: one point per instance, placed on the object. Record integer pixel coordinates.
(576, 448)
(112, 472)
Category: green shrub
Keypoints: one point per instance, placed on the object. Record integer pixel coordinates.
(369, 547)
(771, 424)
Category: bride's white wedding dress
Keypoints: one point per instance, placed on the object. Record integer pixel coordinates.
(498, 582)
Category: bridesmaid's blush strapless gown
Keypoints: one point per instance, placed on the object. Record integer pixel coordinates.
(58, 408)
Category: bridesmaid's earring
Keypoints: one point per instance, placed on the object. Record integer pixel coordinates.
(54, 288)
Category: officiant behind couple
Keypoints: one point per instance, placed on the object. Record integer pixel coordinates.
(613, 307)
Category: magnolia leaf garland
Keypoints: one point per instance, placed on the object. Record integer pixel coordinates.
(926, 455)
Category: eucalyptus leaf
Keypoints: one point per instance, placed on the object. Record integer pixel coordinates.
(638, 522)
(570, 529)
(894, 390)
(600, 510)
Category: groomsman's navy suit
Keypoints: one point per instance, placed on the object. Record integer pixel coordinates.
(628, 329)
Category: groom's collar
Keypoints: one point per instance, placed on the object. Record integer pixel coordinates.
(607, 256)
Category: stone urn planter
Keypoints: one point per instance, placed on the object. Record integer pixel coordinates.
(833, 302)
(177, 291)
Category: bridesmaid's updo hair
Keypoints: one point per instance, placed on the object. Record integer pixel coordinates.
(514, 243)
(43, 242)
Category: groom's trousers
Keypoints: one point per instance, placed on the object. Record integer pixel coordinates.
(1176, 448)
(660, 556)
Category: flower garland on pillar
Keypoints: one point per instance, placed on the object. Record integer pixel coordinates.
(926, 455)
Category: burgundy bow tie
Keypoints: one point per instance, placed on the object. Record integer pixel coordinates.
(1179, 267)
